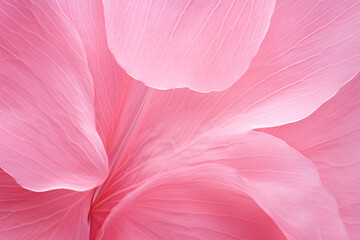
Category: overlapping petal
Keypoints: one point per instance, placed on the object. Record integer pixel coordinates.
(203, 202)
(280, 180)
(189, 43)
(294, 72)
(275, 90)
(118, 97)
(48, 136)
(56, 214)
(330, 138)
(178, 148)
(312, 48)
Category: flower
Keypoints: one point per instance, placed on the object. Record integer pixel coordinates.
(179, 119)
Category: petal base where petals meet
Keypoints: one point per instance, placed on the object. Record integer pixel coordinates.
(264, 168)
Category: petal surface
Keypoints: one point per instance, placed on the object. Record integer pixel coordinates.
(48, 137)
(330, 138)
(191, 203)
(118, 97)
(312, 48)
(294, 72)
(201, 45)
(280, 180)
(55, 215)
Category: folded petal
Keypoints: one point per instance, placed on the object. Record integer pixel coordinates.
(172, 44)
(330, 138)
(203, 202)
(118, 97)
(280, 180)
(48, 135)
(55, 215)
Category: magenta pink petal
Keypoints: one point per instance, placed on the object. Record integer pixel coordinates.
(48, 137)
(330, 138)
(203, 202)
(204, 46)
(55, 215)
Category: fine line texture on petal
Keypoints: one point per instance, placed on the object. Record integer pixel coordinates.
(311, 50)
(202, 45)
(55, 215)
(280, 180)
(330, 138)
(48, 137)
(288, 79)
(203, 202)
(118, 97)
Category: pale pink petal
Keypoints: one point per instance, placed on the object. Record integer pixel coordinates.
(288, 79)
(48, 136)
(55, 215)
(117, 96)
(203, 202)
(330, 137)
(311, 49)
(280, 180)
(188, 43)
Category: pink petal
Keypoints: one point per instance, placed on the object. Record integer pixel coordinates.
(55, 215)
(311, 49)
(48, 137)
(286, 81)
(202, 46)
(202, 202)
(268, 170)
(117, 96)
(330, 137)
